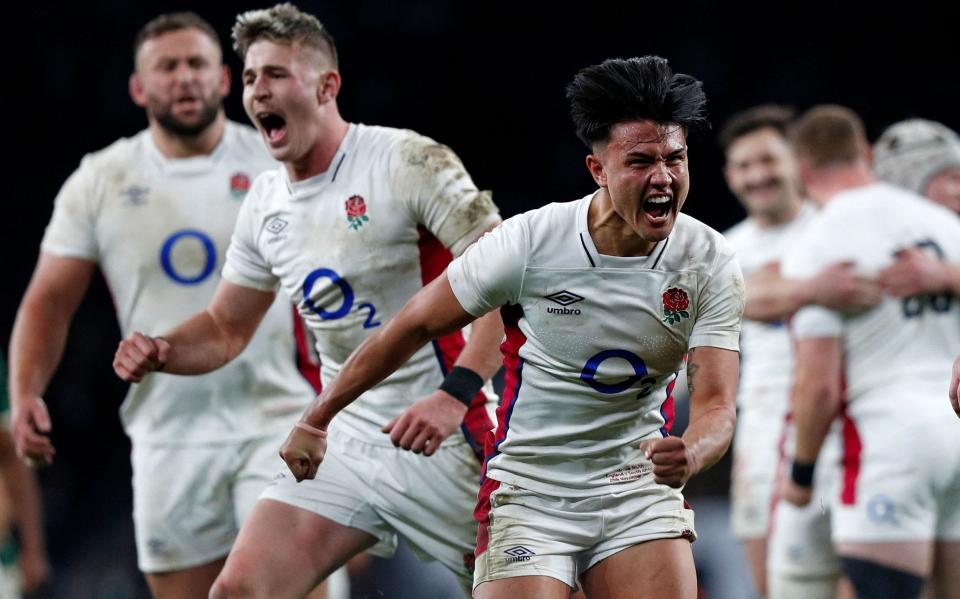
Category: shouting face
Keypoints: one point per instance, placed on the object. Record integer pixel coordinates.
(643, 168)
(180, 80)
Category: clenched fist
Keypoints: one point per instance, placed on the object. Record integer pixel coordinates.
(304, 450)
(139, 355)
(673, 464)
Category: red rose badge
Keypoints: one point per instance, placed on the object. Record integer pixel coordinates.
(675, 304)
(356, 212)
(239, 185)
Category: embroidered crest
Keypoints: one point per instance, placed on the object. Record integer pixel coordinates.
(239, 185)
(675, 304)
(356, 212)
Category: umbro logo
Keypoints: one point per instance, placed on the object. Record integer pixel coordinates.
(157, 546)
(276, 224)
(519, 554)
(135, 195)
(564, 298)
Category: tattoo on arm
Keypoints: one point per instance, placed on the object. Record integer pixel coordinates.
(692, 368)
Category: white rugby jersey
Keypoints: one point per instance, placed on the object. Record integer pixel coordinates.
(899, 353)
(766, 349)
(353, 244)
(594, 342)
(158, 229)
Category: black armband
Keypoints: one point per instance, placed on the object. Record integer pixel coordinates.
(463, 384)
(802, 474)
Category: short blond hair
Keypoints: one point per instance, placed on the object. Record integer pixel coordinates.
(284, 24)
(829, 135)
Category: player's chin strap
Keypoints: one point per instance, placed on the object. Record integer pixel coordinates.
(463, 384)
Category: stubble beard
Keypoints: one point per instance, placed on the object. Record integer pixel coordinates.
(178, 128)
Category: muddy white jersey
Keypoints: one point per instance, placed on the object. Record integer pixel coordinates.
(353, 244)
(766, 360)
(901, 350)
(158, 229)
(594, 342)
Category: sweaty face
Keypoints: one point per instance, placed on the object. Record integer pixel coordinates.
(944, 188)
(645, 174)
(280, 97)
(182, 79)
(762, 173)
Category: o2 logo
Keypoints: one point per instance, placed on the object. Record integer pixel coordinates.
(589, 373)
(182, 236)
(346, 302)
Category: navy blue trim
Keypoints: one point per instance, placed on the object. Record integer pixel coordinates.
(337, 170)
(670, 387)
(439, 353)
(663, 429)
(589, 257)
(474, 444)
(506, 418)
(660, 255)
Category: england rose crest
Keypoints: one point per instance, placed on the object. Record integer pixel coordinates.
(356, 212)
(675, 304)
(239, 185)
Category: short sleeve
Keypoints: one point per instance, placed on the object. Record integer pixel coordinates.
(720, 305)
(442, 196)
(72, 229)
(244, 264)
(489, 274)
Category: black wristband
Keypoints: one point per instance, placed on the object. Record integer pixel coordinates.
(463, 384)
(802, 474)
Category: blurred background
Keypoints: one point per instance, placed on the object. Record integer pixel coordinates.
(486, 78)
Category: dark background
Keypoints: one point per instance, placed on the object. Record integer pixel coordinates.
(486, 78)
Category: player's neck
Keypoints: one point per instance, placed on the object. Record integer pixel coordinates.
(319, 158)
(611, 235)
(173, 146)
(828, 182)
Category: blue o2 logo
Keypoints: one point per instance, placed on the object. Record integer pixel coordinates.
(346, 302)
(187, 278)
(345, 289)
(589, 373)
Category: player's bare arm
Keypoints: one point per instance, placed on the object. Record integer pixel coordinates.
(480, 358)
(955, 387)
(916, 272)
(815, 401)
(25, 503)
(36, 347)
(201, 344)
(712, 375)
(415, 429)
(432, 312)
(771, 297)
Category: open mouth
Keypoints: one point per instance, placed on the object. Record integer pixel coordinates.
(658, 207)
(273, 125)
(186, 102)
(768, 187)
